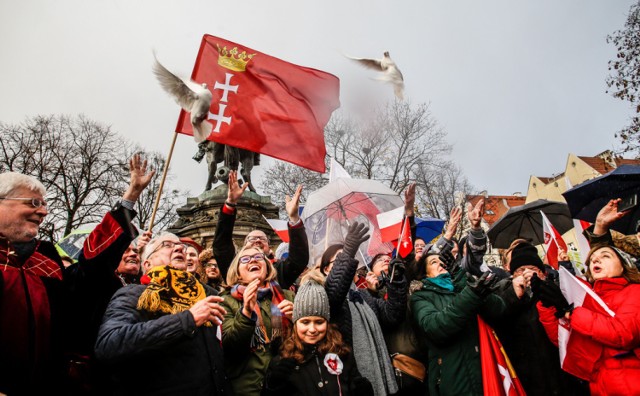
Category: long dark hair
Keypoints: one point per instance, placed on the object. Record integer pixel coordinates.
(293, 347)
(328, 254)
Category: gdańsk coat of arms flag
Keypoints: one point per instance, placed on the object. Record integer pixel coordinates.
(264, 104)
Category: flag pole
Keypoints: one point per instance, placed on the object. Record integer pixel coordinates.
(404, 218)
(164, 176)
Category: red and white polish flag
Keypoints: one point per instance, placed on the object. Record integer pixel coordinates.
(552, 241)
(390, 224)
(281, 227)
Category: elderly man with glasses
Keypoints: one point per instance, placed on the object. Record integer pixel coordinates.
(288, 269)
(36, 313)
(163, 336)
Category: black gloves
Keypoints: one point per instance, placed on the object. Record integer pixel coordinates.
(355, 236)
(396, 269)
(279, 372)
(484, 285)
(549, 293)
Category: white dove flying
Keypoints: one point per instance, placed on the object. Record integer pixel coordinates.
(191, 96)
(391, 73)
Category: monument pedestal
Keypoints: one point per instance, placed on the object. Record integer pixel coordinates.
(198, 218)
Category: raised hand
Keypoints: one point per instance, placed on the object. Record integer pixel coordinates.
(292, 204)
(607, 216)
(410, 199)
(143, 240)
(454, 220)
(139, 178)
(475, 213)
(355, 236)
(234, 192)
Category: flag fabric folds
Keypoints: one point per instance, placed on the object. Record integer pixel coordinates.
(390, 224)
(280, 227)
(264, 104)
(552, 241)
(578, 293)
(405, 245)
(498, 376)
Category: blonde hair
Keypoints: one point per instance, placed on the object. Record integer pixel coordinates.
(233, 274)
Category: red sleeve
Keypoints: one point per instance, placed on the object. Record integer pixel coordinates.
(549, 321)
(102, 237)
(621, 331)
(228, 210)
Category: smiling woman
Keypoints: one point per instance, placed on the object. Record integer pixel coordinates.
(258, 312)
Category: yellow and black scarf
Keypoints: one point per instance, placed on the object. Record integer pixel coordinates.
(170, 291)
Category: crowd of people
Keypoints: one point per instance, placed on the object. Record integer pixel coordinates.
(140, 314)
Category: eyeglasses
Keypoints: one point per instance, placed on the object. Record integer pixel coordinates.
(35, 202)
(252, 239)
(211, 265)
(167, 244)
(248, 259)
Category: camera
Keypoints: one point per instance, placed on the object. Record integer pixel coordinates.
(628, 203)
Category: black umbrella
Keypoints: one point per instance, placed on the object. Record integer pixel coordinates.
(586, 199)
(525, 221)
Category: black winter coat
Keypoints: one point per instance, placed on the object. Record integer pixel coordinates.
(305, 378)
(389, 312)
(159, 354)
(533, 356)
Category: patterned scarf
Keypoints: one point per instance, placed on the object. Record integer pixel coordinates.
(275, 294)
(170, 291)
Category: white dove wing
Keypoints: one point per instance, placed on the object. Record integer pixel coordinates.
(374, 64)
(175, 86)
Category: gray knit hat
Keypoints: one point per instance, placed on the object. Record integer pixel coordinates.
(311, 300)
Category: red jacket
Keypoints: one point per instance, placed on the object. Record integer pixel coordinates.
(602, 349)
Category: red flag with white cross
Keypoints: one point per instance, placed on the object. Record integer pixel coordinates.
(264, 104)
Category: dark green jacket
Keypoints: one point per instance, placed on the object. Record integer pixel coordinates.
(449, 322)
(245, 368)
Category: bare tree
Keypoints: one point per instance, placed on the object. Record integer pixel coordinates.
(400, 144)
(282, 179)
(82, 163)
(624, 82)
(441, 183)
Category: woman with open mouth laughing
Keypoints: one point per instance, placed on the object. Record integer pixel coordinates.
(258, 311)
(603, 349)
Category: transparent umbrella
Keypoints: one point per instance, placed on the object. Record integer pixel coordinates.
(330, 209)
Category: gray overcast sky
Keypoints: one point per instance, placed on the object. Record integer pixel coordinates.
(517, 85)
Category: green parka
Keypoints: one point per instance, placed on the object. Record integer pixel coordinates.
(449, 322)
(246, 369)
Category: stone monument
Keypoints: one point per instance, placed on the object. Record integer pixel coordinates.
(198, 218)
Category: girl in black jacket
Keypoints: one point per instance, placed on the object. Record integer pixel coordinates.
(314, 360)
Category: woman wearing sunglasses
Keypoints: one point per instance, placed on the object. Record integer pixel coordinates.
(258, 311)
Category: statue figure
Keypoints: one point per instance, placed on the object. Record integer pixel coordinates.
(232, 158)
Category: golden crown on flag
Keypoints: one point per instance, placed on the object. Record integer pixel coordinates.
(233, 59)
